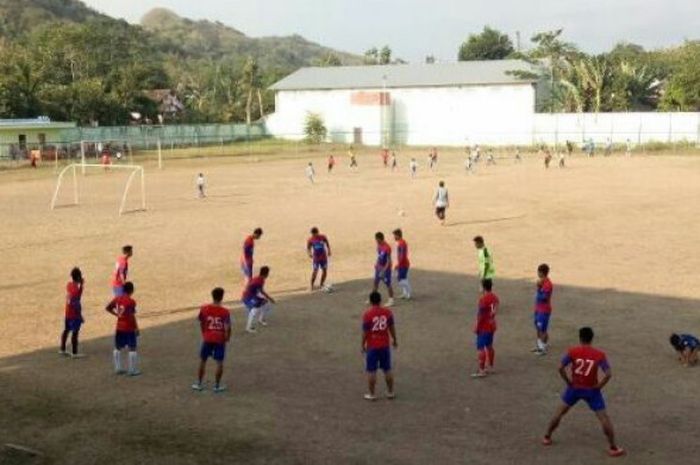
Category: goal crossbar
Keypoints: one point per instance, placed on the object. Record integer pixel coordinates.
(135, 169)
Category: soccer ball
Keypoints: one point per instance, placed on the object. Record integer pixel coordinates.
(328, 288)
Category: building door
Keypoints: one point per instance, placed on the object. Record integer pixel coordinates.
(357, 136)
(22, 142)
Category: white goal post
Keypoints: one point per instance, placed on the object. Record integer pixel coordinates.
(73, 168)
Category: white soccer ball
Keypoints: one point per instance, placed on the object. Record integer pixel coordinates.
(328, 288)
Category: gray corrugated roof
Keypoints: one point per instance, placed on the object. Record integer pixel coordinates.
(408, 75)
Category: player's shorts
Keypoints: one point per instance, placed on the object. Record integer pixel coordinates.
(247, 270)
(691, 343)
(73, 324)
(210, 349)
(254, 302)
(401, 274)
(382, 276)
(440, 211)
(542, 321)
(320, 264)
(378, 359)
(125, 339)
(118, 291)
(593, 397)
(484, 340)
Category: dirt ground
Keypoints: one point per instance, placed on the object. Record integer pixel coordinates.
(619, 234)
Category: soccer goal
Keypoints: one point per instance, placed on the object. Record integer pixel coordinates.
(136, 171)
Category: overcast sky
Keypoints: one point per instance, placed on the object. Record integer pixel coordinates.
(416, 28)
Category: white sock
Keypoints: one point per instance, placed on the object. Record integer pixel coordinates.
(407, 287)
(116, 357)
(252, 313)
(540, 345)
(133, 362)
(265, 311)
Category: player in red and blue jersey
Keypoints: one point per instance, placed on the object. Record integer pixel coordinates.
(582, 383)
(319, 249)
(543, 308)
(256, 300)
(124, 308)
(687, 347)
(215, 323)
(383, 267)
(378, 334)
(402, 264)
(485, 329)
(121, 270)
(247, 254)
(73, 313)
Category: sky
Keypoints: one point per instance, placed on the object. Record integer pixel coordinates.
(417, 28)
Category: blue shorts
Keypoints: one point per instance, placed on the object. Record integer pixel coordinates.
(247, 270)
(320, 264)
(593, 397)
(401, 274)
(484, 340)
(73, 324)
(378, 359)
(125, 339)
(254, 302)
(542, 321)
(216, 351)
(118, 291)
(382, 276)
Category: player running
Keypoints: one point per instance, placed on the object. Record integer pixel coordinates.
(582, 384)
(543, 308)
(121, 270)
(394, 162)
(319, 250)
(485, 328)
(378, 334)
(353, 159)
(200, 186)
(687, 347)
(486, 268)
(310, 172)
(247, 254)
(257, 301)
(124, 308)
(383, 269)
(73, 313)
(402, 264)
(442, 202)
(331, 163)
(215, 323)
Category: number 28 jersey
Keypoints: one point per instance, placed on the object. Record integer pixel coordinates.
(585, 362)
(214, 320)
(376, 323)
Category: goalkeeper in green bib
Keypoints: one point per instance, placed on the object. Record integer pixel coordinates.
(486, 268)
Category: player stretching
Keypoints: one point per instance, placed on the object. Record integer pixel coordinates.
(442, 202)
(74, 313)
(402, 265)
(485, 329)
(247, 255)
(124, 308)
(319, 249)
(486, 268)
(583, 384)
(121, 270)
(543, 308)
(687, 347)
(257, 301)
(378, 332)
(382, 269)
(215, 323)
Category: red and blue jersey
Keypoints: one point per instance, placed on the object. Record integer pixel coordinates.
(486, 314)
(125, 308)
(318, 244)
(402, 255)
(585, 362)
(376, 323)
(215, 322)
(383, 256)
(543, 297)
(253, 288)
(121, 270)
(74, 292)
(248, 249)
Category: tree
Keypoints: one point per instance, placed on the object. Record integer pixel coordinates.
(251, 85)
(682, 93)
(314, 128)
(371, 56)
(385, 55)
(490, 44)
(330, 59)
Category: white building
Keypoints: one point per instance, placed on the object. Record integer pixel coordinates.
(474, 102)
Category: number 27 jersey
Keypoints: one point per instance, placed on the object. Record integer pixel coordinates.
(376, 323)
(585, 362)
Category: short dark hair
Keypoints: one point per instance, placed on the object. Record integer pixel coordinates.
(544, 269)
(375, 298)
(379, 236)
(398, 232)
(127, 249)
(128, 288)
(217, 294)
(442, 184)
(265, 270)
(314, 230)
(675, 341)
(258, 231)
(478, 239)
(76, 275)
(585, 334)
(487, 284)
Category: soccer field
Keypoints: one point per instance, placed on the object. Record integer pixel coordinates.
(621, 237)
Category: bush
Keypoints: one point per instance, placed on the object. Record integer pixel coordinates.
(314, 128)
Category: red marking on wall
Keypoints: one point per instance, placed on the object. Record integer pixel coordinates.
(370, 98)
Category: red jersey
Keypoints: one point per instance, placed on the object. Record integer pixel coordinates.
(74, 291)
(402, 255)
(125, 308)
(376, 323)
(215, 321)
(543, 298)
(486, 315)
(585, 362)
(318, 245)
(383, 256)
(121, 270)
(248, 249)
(253, 288)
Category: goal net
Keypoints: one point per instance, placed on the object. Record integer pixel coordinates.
(71, 171)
